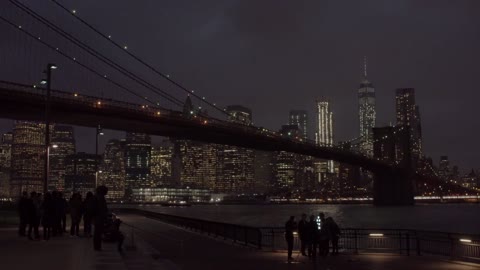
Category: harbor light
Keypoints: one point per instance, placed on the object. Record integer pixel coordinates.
(465, 240)
(376, 234)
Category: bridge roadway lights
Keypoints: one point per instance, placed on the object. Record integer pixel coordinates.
(393, 188)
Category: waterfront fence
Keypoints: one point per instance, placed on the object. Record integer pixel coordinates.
(407, 242)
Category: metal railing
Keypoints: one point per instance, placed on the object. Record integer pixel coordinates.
(407, 242)
(245, 235)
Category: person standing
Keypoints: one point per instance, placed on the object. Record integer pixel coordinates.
(100, 213)
(88, 214)
(290, 227)
(48, 217)
(23, 213)
(334, 234)
(302, 233)
(312, 236)
(322, 235)
(75, 213)
(63, 207)
(32, 215)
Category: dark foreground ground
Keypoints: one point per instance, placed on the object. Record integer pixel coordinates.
(162, 246)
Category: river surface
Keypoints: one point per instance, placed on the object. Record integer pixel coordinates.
(460, 218)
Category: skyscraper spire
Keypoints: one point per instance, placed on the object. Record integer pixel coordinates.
(365, 66)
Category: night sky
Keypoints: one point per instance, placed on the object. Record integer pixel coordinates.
(277, 55)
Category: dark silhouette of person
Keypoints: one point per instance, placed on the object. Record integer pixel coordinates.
(56, 223)
(63, 206)
(88, 214)
(334, 234)
(23, 213)
(322, 236)
(32, 216)
(75, 213)
(312, 236)
(290, 227)
(100, 213)
(302, 233)
(48, 215)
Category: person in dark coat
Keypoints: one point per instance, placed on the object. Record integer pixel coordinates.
(302, 233)
(88, 214)
(100, 212)
(75, 213)
(323, 235)
(23, 213)
(32, 216)
(48, 217)
(312, 236)
(56, 218)
(334, 234)
(290, 227)
(63, 209)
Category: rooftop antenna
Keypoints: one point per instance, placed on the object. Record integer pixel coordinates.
(365, 66)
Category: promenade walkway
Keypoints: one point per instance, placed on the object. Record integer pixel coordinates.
(190, 250)
(162, 246)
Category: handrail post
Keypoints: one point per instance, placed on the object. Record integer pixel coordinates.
(452, 247)
(417, 238)
(356, 241)
(408, 244)
(273, 240)
(246, 236)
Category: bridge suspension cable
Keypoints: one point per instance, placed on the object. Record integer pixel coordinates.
(101, 57)
(72, 59)
(74, 14)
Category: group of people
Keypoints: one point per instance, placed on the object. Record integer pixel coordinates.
(51, 210)
(317, 232)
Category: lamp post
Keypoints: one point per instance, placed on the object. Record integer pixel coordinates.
(48, 82)
(98, 133)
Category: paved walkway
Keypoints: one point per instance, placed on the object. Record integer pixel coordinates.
(181, 249)
(162, 246)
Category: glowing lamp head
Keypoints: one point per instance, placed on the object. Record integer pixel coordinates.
(55, 146)
(43, 82)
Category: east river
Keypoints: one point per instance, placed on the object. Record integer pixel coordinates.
(460, 218)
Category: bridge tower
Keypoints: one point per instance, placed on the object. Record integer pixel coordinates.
(395, 185)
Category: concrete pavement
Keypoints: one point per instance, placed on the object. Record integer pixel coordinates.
(189, 250)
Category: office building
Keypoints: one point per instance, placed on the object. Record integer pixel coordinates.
(80, 173)
(161, 165)
(63, 145)
(27, 158)
(408, 117)
(5, 163)
(324, 136)
(171, 195)
(286, 164)
(112, 169)
(137, 158)
(299, 118)
(366, 113)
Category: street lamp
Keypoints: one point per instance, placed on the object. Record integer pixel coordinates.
(98, 133)
(48, 82)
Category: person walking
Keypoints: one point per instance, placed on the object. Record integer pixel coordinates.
(312, 237)
(334, 234)
(75, 213)
(302, 233)
(100, 212)
(290, 227)
(23, 213)
(48, 217)
(88, 214)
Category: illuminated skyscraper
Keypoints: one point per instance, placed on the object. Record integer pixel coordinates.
(286, 168)
(366, 113)
(64, 141)
(324, 135)
(28, 158)
(161, 165)
(236, 169)
(137, 158)
(112, 169)
(5, 163)
(80, 170)
(408, 116)
(299, 118)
